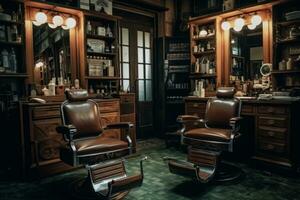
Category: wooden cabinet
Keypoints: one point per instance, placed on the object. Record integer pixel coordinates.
(41, 142)
(274, 128)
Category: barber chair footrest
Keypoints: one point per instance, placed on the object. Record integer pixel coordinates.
(187, 169)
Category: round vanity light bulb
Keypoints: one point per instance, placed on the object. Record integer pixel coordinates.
(39, 64)
(41, 17)
(36, 23)
(239, 23)
(237, 28)
(57, 20)
(53, 26)
(70, 23)
(256, 20)
(225, 25)
(251, 26)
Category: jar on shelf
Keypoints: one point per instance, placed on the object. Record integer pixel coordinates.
(282, 65)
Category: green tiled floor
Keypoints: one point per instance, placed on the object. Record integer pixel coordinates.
(160, 184)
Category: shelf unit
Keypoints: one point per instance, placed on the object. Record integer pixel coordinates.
(286, 47)
(203, 57)
(101, 42)
(176, 78)
(12, 83)
(12, 59)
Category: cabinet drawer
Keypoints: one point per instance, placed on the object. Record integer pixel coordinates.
(128, 118)
(281, 122)
(271, 146)
(247, 109)
(196, 109)
(272, 110)
(46, 112)
(109, 106)
(110, 118)
(273, 133)
(127, 99)
(126, 108)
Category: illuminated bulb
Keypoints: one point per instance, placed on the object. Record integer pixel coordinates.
(36, 23)
(225, 25)
(57, 20)
(237, 28)
(39, 64)
(256, 20)
(251, 26)
(232, 41)
(203, 33)
(70, 23)
(53, 26)
(239, 23)
(41, 18)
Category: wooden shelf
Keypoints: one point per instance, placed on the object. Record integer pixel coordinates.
(101, 54)
(286, 41)
(11, 43)
(287, 23)
(285, 71)
(199, 75)
(10, 22)
(204, 53)
(102, 77)
(204, 38)
(13, 75)
(100, 37)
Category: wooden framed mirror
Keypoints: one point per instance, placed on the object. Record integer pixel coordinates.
(245, 50)
(52, 52)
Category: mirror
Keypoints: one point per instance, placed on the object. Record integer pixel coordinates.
(247, 54)
(51, 55)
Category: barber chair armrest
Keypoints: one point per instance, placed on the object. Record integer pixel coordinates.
(68, 131)
(119, 125)
(124, 126)
(187, 118)
(235, 123)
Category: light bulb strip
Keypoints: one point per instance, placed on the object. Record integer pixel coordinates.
(251, 20)
(58, 20)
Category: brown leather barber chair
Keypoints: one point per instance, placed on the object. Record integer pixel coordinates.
(208, 138)
(102, 156)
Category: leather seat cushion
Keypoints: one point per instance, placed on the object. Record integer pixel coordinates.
(99, 145)
(213, 134)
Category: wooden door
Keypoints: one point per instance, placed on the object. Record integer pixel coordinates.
(136, 70)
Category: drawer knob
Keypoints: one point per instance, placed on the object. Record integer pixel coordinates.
(270, 146)
(271, 133)
(195, 105)
(271, 122)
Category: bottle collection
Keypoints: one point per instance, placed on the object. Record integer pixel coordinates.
(204, 46)
(92, 29)
(205, 65)
(179, 46)
(10, 32)
(100, 66)
(8, 61)
(103, 88)
(236, 70)
(202, 86)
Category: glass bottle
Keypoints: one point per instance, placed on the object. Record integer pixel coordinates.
(5, 60)
(2, 33)
(13, 61)
(89, 28)
(14, 33)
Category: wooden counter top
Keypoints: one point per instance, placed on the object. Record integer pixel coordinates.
(250, 101)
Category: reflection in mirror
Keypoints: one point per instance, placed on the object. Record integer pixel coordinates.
(51, 56)
(247, 54)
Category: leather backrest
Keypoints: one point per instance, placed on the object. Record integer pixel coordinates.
(84, 115)
(221, 109)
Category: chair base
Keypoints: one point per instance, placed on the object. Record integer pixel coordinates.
(83, 189)
(228, 173)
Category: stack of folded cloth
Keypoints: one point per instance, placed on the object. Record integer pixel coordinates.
(292, 15)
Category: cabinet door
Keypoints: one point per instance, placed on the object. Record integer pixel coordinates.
(46, 142)
(111, 118)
